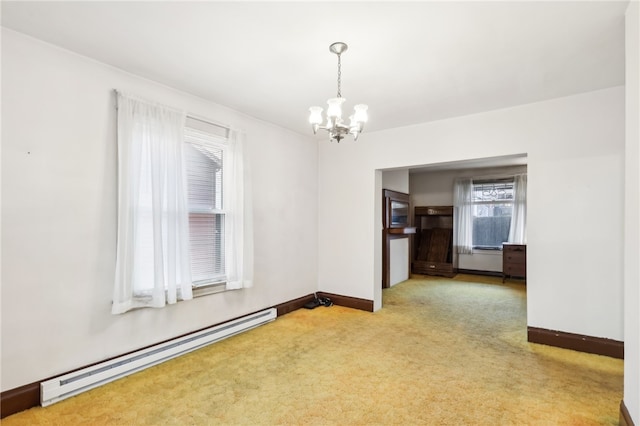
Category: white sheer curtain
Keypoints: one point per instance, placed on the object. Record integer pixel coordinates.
(152, 265)
(518, 229)
(463, 216)
(239, 215)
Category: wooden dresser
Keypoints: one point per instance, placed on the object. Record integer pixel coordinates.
(433, 243)
(514, 261)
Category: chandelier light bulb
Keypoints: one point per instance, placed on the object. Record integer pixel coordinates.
(315, 116)
(335, 107)
(360, 114)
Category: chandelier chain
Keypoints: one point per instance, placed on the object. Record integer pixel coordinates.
(339, 76)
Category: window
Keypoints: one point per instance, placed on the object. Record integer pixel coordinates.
(205, 155)
(184, 208)
(219, 208)
(487, 213)
(492, 207)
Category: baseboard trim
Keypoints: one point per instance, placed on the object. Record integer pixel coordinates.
(19, 399)
(292, 305)
(348, 301)
(625, 417)
(478, 272)
(576, 342)
(337, 299)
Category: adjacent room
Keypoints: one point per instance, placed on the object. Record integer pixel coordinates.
(173, 198)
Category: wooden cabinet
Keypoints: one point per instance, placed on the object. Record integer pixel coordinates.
(395, 214)
(514, 261)
(433, 243)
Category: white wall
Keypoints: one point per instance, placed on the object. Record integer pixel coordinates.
(575, 148)
(396, 180)
(632, 215)
(436, 189)
(59, 215)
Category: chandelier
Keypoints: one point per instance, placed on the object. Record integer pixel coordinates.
(335, 125)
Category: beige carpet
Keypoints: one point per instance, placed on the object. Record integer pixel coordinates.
(440, 352)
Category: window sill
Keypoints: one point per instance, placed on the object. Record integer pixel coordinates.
(488, 251)
(205, 290)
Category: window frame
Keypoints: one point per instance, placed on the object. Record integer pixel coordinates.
(215, 140)
(491, 181)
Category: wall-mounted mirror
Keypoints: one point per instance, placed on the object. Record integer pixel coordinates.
(399, 214)
(395, 209)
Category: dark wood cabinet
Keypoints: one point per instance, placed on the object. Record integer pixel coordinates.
(395, 216)
(433, 243)
(514, 261)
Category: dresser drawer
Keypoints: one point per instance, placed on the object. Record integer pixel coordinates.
(514, 257)
(516, 270)
(432, 268)
(439, 267)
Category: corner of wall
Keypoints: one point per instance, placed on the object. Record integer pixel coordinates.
(632, 216)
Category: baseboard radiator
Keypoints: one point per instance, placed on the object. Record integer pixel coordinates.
(68, 385)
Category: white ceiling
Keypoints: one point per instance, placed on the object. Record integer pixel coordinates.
(411, 62)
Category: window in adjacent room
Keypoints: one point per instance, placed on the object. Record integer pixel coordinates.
(492, 207)
(489, 212)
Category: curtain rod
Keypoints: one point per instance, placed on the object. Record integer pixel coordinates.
(188, 115)
(494, 177)
(208, 121)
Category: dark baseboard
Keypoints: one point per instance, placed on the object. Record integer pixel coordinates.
(349, 302)
(625, 417)
(337, 299)
(477, 272)
(292, 305)
(19, 399)
(577, 342)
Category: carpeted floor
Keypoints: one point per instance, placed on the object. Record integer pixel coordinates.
(440, 352)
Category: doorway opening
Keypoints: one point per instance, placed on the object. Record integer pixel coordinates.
(431, 188)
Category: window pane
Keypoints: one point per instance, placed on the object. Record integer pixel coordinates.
(491, 232)
(206, 239)
(204, 159)
(204, 176)
(493, 191)
(493, 205)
